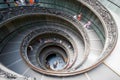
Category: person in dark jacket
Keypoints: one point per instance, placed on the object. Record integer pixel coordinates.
(1, 16)
(6, 2)
(36, 1)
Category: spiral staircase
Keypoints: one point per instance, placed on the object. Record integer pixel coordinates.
(45, 42)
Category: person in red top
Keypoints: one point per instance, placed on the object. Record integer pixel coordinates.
(31, 2)
(79, 16)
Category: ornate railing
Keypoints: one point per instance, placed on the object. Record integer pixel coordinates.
(111, 32)
(102, 13)
(66, 17)
(7, 75)
(37, 32)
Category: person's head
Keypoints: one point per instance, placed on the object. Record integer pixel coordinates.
(80, 15)
(89, 22)
(15, 0)
(5, 0)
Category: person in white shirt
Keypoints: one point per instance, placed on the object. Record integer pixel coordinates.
(75, 16)
(31, 48)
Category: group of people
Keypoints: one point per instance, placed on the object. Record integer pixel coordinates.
(56, 64)
(79, 16)
(21, 2)
(25, 2)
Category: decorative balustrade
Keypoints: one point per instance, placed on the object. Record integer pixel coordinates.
(7, 74)
(103, 14)
(37, 32)
(109, 25)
